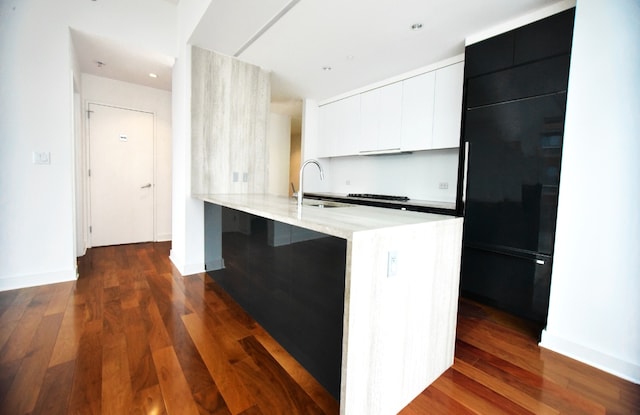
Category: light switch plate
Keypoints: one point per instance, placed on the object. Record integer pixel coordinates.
(41, 157)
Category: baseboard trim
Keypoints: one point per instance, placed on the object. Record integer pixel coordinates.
(214, 265)
(610, 364)
(163, 237)
(34, 280)
(186, 269)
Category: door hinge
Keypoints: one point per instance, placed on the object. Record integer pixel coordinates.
(89, 113)
(89, 172)
(90, 229)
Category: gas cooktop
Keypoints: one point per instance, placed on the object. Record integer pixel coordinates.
(378, 197)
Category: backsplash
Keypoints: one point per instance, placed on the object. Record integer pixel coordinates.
(421, 175)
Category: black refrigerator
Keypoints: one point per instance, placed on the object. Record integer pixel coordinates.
(513, 126)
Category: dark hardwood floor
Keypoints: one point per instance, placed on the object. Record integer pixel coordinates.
(133, 336)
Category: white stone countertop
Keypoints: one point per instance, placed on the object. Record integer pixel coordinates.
(341, 221)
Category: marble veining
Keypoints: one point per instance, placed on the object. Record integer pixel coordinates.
(229, 111)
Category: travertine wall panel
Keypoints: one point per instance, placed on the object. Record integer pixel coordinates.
(229, 112)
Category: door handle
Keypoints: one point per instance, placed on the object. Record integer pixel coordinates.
(146, 186)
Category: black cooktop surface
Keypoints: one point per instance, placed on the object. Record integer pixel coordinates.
(379, 197)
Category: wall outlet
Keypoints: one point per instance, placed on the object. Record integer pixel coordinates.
(443, 186)
(392, 264)
(235, 176)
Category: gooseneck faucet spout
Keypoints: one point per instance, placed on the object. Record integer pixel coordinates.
(300, 192)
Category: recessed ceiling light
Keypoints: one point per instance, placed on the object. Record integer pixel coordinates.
(416, 26)
(152, 75)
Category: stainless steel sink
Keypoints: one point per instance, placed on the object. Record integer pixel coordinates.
(323, 204)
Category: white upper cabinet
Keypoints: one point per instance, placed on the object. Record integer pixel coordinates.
(417, 112)
(381, 116)
(340, 128)
(447, 112)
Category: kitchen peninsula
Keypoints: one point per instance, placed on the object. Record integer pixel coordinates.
(400, 277)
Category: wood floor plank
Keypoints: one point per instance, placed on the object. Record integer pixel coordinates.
(23, 394)
(203, 387)
(7, 298)
(142, 369)
(8, 373)
(175, 389)
(156, 331)
(68, 338)
(117, 396)
(86, 391)
(505, 373)
(280, 394)
(475, 396)
(299, 374)
(213, 353)
(498, 385)
(434, 402)
(17, 303)
(55, 392)
(59, 298)
(148, 401)
(18, 342)
(172, 307)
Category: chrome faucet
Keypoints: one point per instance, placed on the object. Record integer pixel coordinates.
(300, 193)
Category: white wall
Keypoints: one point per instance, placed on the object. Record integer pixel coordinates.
(594, 311)
(278, 154)
(187, 245)
(37, 220)
(126, 95)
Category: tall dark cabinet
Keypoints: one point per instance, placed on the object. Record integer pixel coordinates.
(513, 123)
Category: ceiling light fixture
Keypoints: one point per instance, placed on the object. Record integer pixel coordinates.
(100, 64)
(152, 75)
(327, 68)
(416, 26)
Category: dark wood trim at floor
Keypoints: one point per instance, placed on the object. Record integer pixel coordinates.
(132, 336)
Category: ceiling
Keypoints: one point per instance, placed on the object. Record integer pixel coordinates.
(361, 41)
(110, 59)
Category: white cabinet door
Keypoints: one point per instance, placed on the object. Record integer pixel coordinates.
(340, 128)
(447, 113)
(381, 118)
(417, 112)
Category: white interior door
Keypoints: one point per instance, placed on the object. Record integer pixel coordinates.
(121, 175)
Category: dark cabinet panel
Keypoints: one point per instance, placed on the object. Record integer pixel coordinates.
(295, 291)
(539, 78)
(489, 55)
(513, 173)
(548, 37)
(516, 283)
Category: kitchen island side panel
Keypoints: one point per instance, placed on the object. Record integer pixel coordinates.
(399, 330)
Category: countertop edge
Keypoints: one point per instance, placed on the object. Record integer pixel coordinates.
(340, 222)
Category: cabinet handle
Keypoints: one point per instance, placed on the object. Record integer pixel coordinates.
(467, 146)
(395, 150)
(146, 186)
